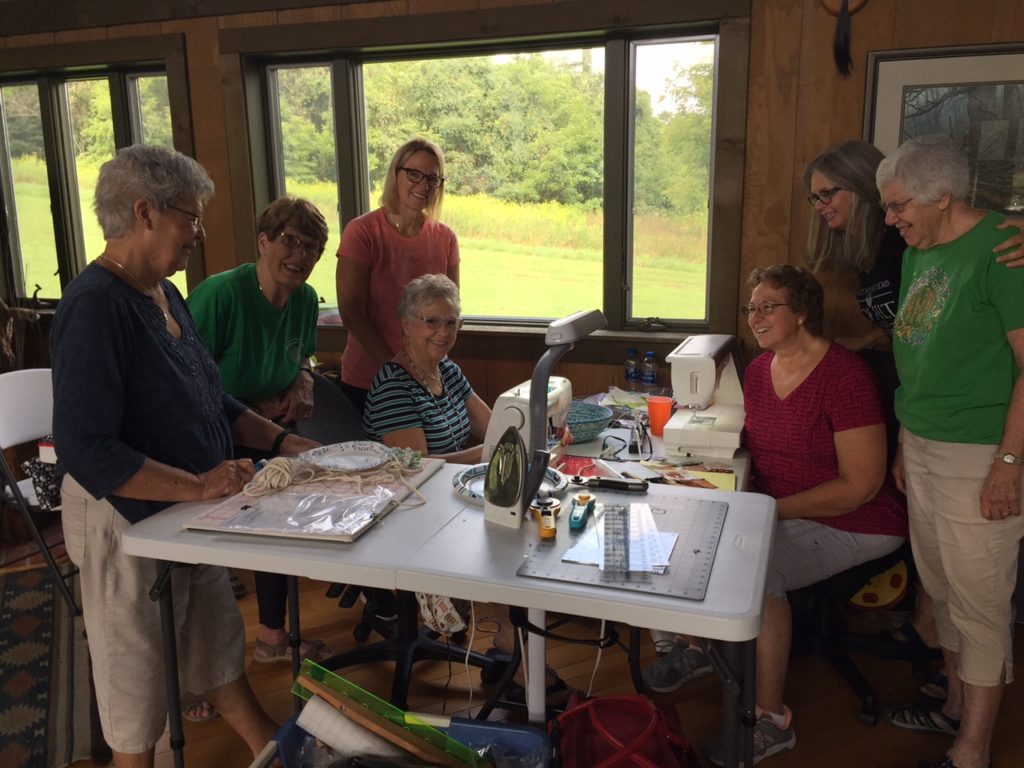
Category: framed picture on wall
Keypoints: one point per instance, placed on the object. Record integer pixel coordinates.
(974, 94)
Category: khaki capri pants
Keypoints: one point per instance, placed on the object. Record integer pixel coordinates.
(966, 563)
(123, 625)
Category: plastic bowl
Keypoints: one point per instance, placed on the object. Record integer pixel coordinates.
(587, 420)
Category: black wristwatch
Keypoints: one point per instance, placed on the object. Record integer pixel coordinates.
(275, 448)
(1009, 458)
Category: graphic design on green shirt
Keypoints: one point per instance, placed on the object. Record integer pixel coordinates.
(922, 308)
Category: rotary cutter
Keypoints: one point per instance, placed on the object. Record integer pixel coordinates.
(582, 506)
(546, 509)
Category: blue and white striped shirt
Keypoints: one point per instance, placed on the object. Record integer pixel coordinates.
(397, 401)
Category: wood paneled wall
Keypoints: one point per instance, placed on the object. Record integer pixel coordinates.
(797, 105)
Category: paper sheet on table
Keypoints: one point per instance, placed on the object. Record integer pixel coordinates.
(635, 469)
(635, 400)
(589, 549)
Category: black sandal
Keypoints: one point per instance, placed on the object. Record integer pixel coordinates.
(945, 762)
(923, 717)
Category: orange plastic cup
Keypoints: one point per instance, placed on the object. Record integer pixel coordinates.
(659, 409)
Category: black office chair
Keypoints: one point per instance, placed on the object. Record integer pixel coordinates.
(820, 627)
(336, 420)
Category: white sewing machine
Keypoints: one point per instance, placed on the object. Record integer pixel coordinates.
(512, 409)
(706, 387)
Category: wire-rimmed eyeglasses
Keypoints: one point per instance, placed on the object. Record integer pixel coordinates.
(765, 307)
(195, 219)
(296, 245)
(437, 323)
(895, 207)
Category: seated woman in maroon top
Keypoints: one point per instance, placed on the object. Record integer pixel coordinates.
(815, 429)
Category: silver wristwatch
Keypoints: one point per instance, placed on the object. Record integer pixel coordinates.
(1009, 458)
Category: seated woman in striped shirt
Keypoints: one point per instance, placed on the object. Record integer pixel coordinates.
(420, 399)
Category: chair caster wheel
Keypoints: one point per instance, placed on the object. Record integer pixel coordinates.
(361, 633)
(868, 718)
(492, 674)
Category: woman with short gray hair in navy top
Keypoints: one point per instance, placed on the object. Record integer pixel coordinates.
(141, 422)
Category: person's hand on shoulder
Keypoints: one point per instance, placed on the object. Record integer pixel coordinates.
(1011, 251)
(226, 479)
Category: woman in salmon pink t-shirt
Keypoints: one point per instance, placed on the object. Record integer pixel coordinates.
(382, 251)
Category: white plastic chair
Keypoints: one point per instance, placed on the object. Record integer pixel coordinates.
(26, 414)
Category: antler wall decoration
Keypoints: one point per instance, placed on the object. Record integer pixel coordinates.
(842, 10)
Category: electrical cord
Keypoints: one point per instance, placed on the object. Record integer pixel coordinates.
(518, 617)
(597, 663)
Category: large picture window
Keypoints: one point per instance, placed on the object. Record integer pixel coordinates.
(578, 174)
(64, 111)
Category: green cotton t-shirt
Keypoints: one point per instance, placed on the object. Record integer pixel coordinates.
(956, 366)
(259, 349)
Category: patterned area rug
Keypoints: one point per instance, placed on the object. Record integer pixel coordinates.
(45, 697)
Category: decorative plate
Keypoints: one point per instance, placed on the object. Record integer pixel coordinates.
(469, 483)
(354, 456)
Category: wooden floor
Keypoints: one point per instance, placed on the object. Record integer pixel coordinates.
(828, 731)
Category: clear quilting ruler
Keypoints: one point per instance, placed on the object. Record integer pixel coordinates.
(615, 522)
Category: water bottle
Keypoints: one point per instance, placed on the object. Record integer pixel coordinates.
(649, 373)
(632, 370)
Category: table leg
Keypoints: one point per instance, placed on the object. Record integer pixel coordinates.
(536, 655)
(731, 710)
(634, 661)
(749, 716)
(294, 633)
(163, 593)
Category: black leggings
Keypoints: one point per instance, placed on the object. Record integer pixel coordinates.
(271, 588)
(271, 597)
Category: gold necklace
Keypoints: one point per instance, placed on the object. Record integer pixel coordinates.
(424, 376)
(138, 283)
(396, 223)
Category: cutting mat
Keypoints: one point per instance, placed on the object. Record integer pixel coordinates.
(698, 523)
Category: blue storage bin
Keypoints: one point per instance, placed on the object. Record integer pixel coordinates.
(514, 740)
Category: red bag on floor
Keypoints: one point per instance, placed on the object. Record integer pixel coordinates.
(627, 731)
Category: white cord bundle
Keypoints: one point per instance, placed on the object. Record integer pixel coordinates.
(281, 472)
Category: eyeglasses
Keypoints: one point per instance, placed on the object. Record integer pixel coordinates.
(765, 307)
(295, 245)
(896, 208)
(416, 176)
(196, 219)
(824, 196)
(436, 323)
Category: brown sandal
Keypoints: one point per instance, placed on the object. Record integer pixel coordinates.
(191, 703)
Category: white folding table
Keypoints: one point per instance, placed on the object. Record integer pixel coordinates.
(446, 547)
